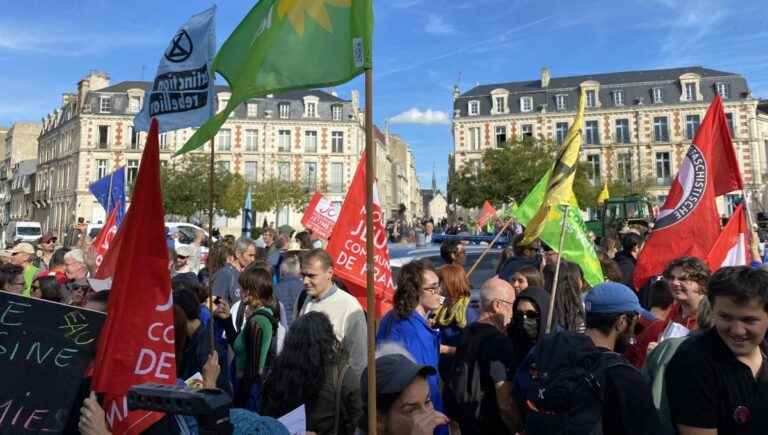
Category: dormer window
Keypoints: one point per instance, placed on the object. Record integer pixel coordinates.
(310, 106)
(658, 96)
(561, 101)
(134, 103)
(474, 108)
(499, 101)
(105, 104)
(724, 90)
(689, 85)
(252, 110)
(499, 104)
(690, 91)
(526, 104)
(591, 98)
(618, 98)
(285, 110)
(311, 110)
(336, 112)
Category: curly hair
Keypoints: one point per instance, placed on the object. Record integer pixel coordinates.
(409, 285)
(568, 309)
(310, 352)
(695, 268)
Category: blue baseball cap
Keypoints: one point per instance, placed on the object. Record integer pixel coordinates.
(613, 298)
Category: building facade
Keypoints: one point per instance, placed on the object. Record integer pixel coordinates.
(17, 171)
(638, 124)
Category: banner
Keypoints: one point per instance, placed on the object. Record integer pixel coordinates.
(101, 243)
(182, 92)
(320, 215)
(347, 246)
(45, 348)
(110, 192)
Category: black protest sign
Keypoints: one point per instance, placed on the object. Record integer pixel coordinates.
(45, 348)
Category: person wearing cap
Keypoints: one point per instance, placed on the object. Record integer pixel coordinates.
(181, 262)
(627, 405)
(403, 402)
(46, 245)
(22, 255)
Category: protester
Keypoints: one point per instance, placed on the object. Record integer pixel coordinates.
(182, 270)
(304, 239)
(528, 322)
(47, 288)
(631, 245)
(526, 276)
(660, 304)
(611, 271)
(429, 231)
(98, 301)
(609, 246)
(57, 266)
(313, 370)
(12, 278)
(269, 237)
(453, 252)
(343, 310)
(79, 290)
(22, 255)
(524, 255)
(688, 278)
(74, 265)
(195, 255)
(454, 315)
(225, 280)
(716, 381)
(568, 308)
(256, 345)
(196, 336)
(486, 351)
(290, 286)
(418, 294)
(46, 246)
(403, 402)
(618, 401)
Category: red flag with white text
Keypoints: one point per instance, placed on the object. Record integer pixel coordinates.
(732, 247)
(320, 216)
(136, 344)
(688, 223)
(347, 245)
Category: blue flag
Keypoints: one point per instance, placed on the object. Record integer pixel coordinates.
(110, 191)
(247, 216)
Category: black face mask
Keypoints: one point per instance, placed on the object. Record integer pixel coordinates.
(525, 328)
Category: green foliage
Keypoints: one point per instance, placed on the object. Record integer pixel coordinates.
(273, 193)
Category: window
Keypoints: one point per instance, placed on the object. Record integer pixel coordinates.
(337, 142)
(224, 139)
(223, 165)
(618, 98)
(311, 110)
(103, 136)
(500, 106)
(310, 176)
(164, 140)
(132, 171)
(310, 141)
(284, 141)
(474, 108)
(724, 90)
(561, 130)
(624, 166)
(252, 110)
(134, 104)
(660, 129)
(691, 126)
(284, 171)
(474, 138)
(593, 168)
(591, 98)
(283, 216)
(526, 130)
(690, 91)
(658, 95)
(501, 135)
(729, 118)
(622, 131)
(251, 139)
(592, 133)
(250, 172)
(134, 139)
(561, 101)
(105, 104)
(336, 112)
(663, 168)
(285, 110)
(732, 200)
(526, 104)
(337, 178)
(101, 168)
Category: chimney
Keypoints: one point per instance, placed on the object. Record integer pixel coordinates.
(545, 77)
(95, 80)
(355, 99)
(456, 92)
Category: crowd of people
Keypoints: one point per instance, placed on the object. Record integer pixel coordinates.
(683, 354)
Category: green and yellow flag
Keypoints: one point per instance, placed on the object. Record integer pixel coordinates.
(290, 44)
(560, 181)
(604, 194)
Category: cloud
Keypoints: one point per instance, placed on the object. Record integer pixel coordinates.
(403, 4)
(416, 116)
(436, 25)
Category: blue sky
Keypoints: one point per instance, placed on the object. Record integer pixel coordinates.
(422, 49)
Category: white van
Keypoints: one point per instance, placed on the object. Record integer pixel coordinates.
(22, 230)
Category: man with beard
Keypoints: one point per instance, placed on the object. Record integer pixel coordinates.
(550, 386)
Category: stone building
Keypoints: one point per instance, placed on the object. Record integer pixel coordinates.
(17, 170)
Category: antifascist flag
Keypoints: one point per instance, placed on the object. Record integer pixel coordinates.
(136, 344)
(688, 223)
(347, 246)
(559, 179)
(732, 246)
(110, 192)
(271, 49)
(486, 213)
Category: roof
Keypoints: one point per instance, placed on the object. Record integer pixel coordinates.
(296, 94)
(623, 77)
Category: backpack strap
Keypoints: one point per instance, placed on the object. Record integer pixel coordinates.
(239, 316)
(339, 381)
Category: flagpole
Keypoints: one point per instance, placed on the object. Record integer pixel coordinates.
(370, 160)
(211, 171)
(480, 258)
(557, 271)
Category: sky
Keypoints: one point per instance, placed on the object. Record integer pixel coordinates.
(422, 49)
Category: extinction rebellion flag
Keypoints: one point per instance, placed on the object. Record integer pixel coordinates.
(181, 94)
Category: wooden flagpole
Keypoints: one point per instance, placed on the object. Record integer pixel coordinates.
(480, 258)
(211, 173)
(370, 161)
(557, 271)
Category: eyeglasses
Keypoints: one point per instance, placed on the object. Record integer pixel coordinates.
(528, 314)
(504, 301)
(433, 289)
(181, 257)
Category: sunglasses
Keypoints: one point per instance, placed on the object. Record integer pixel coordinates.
(528, 314)
(181, 257)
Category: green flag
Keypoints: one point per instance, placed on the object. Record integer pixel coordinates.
(576, 246)
(290, 44)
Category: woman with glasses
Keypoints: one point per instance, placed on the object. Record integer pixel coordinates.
(418, 294)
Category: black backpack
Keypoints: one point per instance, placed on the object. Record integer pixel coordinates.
(568, 375)
(465, 385)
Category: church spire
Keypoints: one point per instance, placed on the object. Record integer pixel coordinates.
(434, 181)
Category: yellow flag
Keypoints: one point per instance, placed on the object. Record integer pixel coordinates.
(603, 194)
(560, 185)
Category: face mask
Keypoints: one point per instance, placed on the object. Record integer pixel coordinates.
(531, 328)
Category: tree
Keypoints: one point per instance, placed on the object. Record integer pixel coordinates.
(274, 193)
(185, 187)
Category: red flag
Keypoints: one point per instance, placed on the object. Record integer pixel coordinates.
(732, 247)
(688, 223)
(100, 245)
(486, 213)
(347, 245)
(137, 341)
(320, 216)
